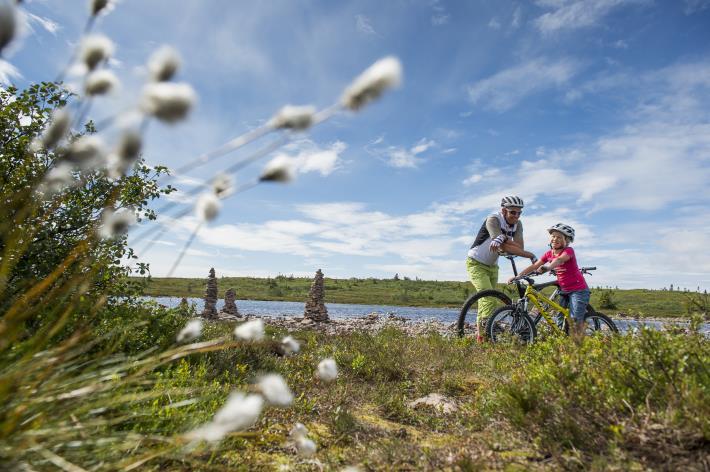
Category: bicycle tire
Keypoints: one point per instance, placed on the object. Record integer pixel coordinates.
(596, 322)
(509, 320)
(473, 300)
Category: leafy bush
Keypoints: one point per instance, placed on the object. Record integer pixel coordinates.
(625, 391)
(606, 300)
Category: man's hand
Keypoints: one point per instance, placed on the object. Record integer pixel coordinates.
(511, 280)
(497, 242)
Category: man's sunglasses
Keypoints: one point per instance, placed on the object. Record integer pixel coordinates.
(515, 213)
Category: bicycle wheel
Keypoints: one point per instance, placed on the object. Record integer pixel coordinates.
(509, 322)
(472, 301)
(596, 322)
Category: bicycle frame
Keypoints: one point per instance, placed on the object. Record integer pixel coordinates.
(538, 299)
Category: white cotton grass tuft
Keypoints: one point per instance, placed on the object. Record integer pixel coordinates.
(57, 129)
(275, 390)
(238, 413)
(100, 82)
(164, 63)
(59, 178)
(96, 48)
(250, 331)
(290, 345)
(306, 447)
(207, 207)
(191, 331)
(297, 118)
(8, 23)
(368, 86)
(222, 185)
(115, 223)
(125, 155)
(167, 101)
(279, 169)
(97, 6)
(327, 370)
(299, 430)
(86, 151)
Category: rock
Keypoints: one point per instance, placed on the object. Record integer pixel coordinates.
(230, 306)
(210, 310)
(437, 401)
(315, 305)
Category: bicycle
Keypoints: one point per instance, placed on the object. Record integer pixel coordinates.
(514, 320)
(473, 300)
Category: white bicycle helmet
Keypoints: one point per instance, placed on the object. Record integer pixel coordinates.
(567, 230)
(511, 201)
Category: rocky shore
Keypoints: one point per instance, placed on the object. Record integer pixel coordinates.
(369, 323)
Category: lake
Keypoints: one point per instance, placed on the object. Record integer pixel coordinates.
(346, 310)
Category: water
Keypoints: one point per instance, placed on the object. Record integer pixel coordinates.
(347, 310)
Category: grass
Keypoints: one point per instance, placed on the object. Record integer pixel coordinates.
(635, 303)
(629, 402)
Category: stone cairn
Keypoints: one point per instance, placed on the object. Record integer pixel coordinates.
(210, 311)
(230, 307)
(315, 305)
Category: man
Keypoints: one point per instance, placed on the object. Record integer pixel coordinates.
(500, 232)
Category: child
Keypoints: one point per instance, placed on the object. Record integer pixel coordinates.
(574, 290)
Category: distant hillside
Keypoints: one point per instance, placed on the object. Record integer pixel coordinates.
(405, 292)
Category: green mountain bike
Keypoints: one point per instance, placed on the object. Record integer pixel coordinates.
(514, 321)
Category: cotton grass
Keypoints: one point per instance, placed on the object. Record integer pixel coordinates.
(191, 331)
(250, 331)
(327, 370)
(164, 63)
(59, 125)
(95, 49)
(207, 207)
(115, 223)
(8, 23)
(168, 102)
(368, 86)
(275, 390)
(240, 412)
(297, 118)
(100, 82)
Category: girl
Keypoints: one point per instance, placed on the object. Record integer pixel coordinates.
(574, 290)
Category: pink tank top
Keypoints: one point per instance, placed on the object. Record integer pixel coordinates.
(571, 279)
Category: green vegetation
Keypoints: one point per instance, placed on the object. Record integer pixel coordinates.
(407, 292)
(623, 403)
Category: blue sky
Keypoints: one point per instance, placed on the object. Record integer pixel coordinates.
(595, 112)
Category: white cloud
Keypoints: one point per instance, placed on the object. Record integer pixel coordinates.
(440, 16)
(517, 19)
(505, 89)
(695, 6)
(494, 23)
(399, 156)
(364, 25)
(475, 178)
(577, 14)
(8, 73)
(47, 24)
(441, 19)
(306, 156)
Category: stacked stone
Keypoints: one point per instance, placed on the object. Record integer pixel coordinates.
(230, 307)
(315, 305)
(210, 311)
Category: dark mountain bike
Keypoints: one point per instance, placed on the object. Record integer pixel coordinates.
(471, 302)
